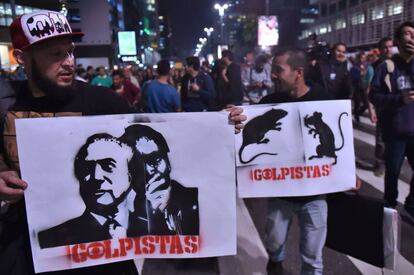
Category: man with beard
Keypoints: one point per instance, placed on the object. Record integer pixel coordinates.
(168, 207)
(43, 44)
(124, 87)
(102, 169)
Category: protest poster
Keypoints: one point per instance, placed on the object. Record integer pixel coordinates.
(296, 149)
(104, 189)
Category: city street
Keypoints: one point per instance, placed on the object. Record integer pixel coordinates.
(252, 258)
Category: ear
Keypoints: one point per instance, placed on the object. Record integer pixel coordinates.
(300, 71)
(19, 55)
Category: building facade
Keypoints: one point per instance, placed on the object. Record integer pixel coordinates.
(95, 19)
(102, 20)
(358, 23)
(9, 10)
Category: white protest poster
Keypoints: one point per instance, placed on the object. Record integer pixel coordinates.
(296, 149)
(105, 189)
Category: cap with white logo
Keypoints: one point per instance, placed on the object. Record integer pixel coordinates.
(38, 26)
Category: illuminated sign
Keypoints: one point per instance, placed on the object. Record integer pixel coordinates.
(268, 31)
(127, 43)
(131, 58)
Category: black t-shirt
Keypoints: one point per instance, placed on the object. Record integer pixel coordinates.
(15, 252)
(86, 100)
(314, 94)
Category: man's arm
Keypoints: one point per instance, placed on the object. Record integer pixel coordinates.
(176, 101)
(371, 108)
(136, 93)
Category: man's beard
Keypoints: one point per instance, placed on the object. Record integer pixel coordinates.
(49, 87)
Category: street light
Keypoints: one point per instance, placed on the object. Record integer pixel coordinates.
(63, 10)
(221, 9)
(208, 31)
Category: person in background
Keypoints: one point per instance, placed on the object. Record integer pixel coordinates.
(130, 77)
(148, 75)
(80, 73)
(102, 79)
(90, 73)
(361, 74)
(385, 46)
(124, 87)
(259, 80)
(392, 89)
(205, 68)
(221, 84)
(333, 74)
(232, 75)
(197, 88)
(159, 95)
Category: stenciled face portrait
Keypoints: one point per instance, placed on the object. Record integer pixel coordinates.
(156, 164)
(105, 179)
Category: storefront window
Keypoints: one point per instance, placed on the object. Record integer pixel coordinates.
(19, 10)
(6, 13)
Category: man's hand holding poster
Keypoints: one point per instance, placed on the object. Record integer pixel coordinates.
(106, 189)
(296, 149)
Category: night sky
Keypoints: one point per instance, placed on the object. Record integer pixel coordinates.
(188, 19)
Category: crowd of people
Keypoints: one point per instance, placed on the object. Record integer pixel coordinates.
(342, 74)
(377, 81)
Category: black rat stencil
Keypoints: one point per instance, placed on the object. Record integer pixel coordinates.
(255, 130)
(318, 127)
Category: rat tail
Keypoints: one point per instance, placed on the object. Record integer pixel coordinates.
(340, 130)
(254, 157)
